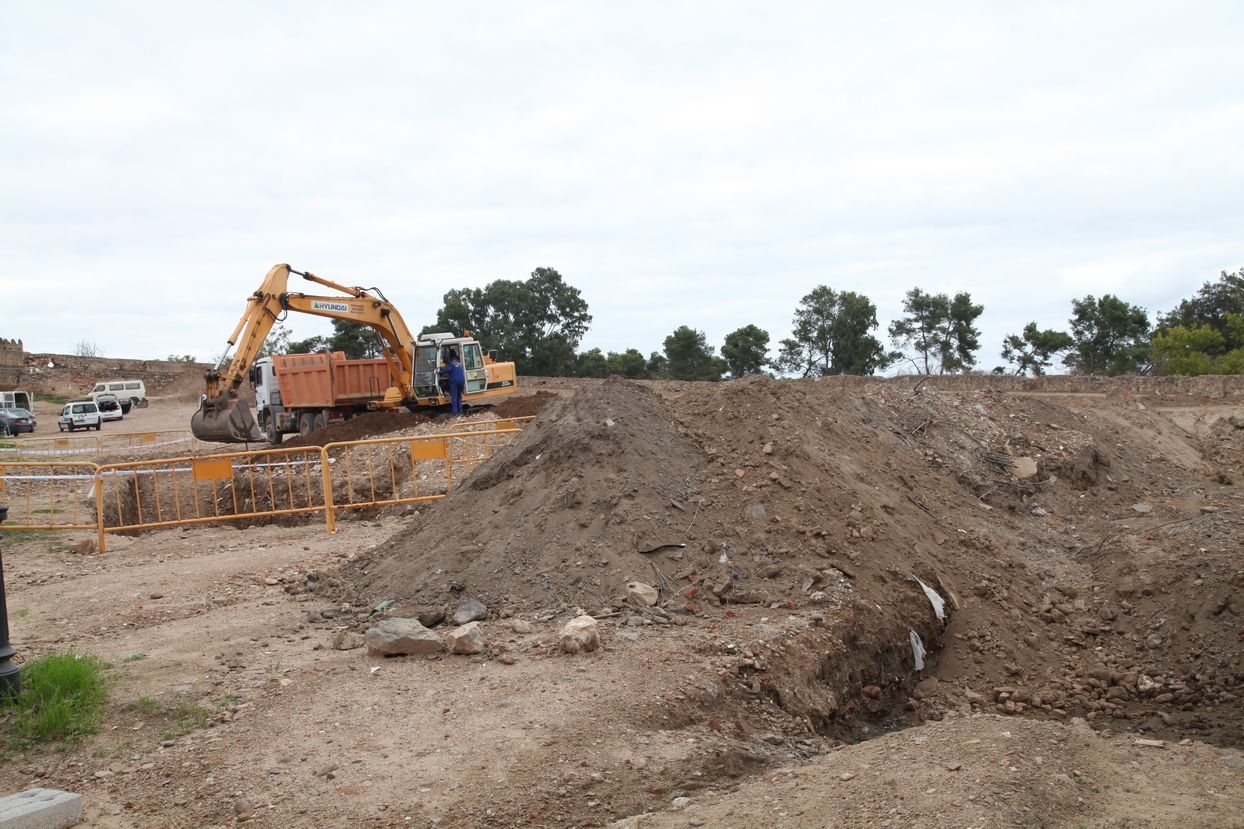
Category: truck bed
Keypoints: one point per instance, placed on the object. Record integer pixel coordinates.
(323, 380)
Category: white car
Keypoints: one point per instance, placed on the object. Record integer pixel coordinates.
(109, 407)
(80, 414)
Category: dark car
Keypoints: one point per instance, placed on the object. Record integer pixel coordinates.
(14, 421)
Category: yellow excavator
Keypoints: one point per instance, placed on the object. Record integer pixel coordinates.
(225, 417)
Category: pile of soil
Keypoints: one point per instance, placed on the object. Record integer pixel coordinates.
(362, 427)
(1061, 540)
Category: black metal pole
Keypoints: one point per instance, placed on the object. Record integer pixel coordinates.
(10, 673)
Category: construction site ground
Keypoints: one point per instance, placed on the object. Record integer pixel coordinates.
(1086, 547)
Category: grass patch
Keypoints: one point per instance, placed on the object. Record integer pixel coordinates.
(45, 511)
(189, 716)
(136, 657)
(146, 704)
(61, 700)
(59, 401)
(23, 613)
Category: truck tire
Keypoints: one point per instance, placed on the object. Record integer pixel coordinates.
(321, 421)
(306, 423)
(274, 437)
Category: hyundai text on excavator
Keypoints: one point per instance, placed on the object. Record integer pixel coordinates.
(412, 380)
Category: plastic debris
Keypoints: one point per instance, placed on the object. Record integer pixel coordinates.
(917, 649)
(935, 599)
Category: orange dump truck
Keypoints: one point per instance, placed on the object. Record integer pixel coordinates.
(304, 392)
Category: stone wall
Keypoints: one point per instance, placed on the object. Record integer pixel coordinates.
(61, 375)
(12, 358)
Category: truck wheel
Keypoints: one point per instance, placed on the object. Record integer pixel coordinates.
(321, 421)
(274, 437)
(305, 424)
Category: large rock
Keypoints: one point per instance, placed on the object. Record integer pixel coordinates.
(644, 595)
(402, 637)
(580, 635)
(470, 610)
(467, 639)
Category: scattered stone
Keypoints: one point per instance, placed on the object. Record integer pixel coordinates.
(271, 582)
(846, 775)
(155, 596)
(345, 640)
(404, 637)
(466, 639)
(509, 658)
(243, 809)
(470, 610)
(644, 595)
(580, 635)
(1143, 509)
(1023, 467)
(755, 512)
(1235, 761)
(768, 633)
(1150, 743)
(431, 618)
(325, 769)
(521, 627)
(680, 803)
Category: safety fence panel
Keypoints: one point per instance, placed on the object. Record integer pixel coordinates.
(181, 441)
(101, 444)
(491, 425)
(193, 489)
(375, 473)
(50, 495)
(190, 490)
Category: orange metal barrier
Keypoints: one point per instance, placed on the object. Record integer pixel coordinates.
(194, 490)
(100, 444)
(51, 496)
(167, 492)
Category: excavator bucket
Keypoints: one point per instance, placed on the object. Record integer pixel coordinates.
(225, 420)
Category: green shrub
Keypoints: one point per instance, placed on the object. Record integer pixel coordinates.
(62, 698)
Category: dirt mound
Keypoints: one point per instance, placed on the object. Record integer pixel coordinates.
(362, 427)
(524, 405)
(556, 517)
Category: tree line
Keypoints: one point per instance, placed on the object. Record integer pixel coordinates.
(540, 322)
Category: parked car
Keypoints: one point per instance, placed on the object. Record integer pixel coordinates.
(109, 407)
(80, 414)
(13, 421)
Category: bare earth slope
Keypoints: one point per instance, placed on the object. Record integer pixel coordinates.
(1086, 548)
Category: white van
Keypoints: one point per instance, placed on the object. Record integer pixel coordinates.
(80, 414)
(17, 400)
(135, 391)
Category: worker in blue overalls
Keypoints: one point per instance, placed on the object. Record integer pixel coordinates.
(452, 371)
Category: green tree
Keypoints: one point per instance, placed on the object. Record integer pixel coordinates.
(591, 363)
(358, 341)
(746, 351)
(939, 331)
(1111, 336)
(833, 335)
(689, 356)
(1209, 306)
(311, 345)
(630, 364)
(1034, 350)
(538, 323)
(657, 364)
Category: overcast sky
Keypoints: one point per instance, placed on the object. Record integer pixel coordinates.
(702, 163)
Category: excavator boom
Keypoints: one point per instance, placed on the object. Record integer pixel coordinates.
(224, 417)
